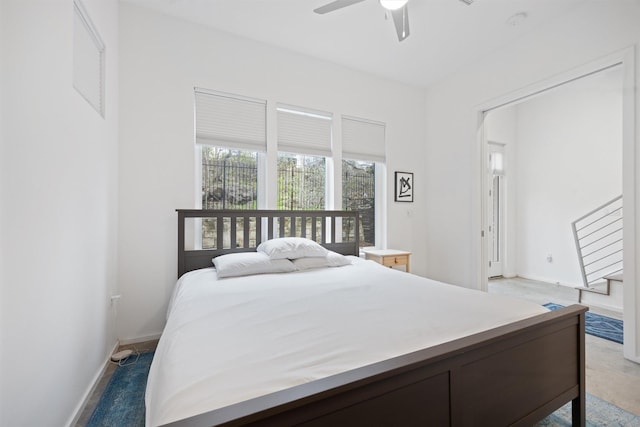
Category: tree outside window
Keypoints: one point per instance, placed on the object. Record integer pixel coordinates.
(359, 193)
(301, 182)
(229, 181)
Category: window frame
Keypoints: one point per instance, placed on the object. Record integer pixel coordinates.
(268, 170)
(325, 183)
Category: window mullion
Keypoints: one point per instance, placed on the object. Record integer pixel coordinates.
(270, 184)
(335, 176)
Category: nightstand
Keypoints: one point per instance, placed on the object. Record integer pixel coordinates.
(389, 257)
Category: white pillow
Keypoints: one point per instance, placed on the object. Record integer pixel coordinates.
(292, 248)
(247, 263)
(333, 259)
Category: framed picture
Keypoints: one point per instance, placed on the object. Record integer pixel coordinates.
(404, 187)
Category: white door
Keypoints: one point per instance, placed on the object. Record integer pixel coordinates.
(496, 208)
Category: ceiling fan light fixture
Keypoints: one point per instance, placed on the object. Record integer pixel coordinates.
(393, 4)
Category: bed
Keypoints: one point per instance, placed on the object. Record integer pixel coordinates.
(355, 345)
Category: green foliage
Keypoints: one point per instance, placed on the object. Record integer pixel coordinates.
(358, 193)
(230, 181)
(301, 182)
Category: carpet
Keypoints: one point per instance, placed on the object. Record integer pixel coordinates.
(600, 413)
(122, 402)
(598, 325)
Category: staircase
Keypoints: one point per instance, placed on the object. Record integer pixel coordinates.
(598, 238)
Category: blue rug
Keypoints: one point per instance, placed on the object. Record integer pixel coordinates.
(122, 402)
(600, 413)
(598, 325)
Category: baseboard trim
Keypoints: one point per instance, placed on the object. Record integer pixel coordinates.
(546, 280)
(613, 308)
(140, 339)
(632, 357)
(92, 387)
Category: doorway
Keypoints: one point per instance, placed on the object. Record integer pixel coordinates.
(496, 205)
(626, 60)
(566, 160)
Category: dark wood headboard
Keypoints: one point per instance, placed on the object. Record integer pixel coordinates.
(219, 232)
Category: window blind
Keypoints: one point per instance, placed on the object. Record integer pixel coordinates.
(230, 121)
(363, 139)
(304, 131)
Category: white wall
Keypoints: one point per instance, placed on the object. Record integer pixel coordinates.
(569, 161)
(162, 59)
(59, 213)
(501, 127)
(591, 31)
(2, 238)
(564, 158)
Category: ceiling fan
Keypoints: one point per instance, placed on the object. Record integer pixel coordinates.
(397, 8)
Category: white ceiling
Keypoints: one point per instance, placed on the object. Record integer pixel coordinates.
(446, 35)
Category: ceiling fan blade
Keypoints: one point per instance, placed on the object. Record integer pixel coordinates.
(335, 5)
(401, 21)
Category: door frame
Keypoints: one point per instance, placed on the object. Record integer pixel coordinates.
(626, 59)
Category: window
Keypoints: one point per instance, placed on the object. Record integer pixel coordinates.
(230, 121)
(304, 131)
(359, 193)
(301, 182)
(229, 178)
(231, 134)
(229, 181)
(239, 172)
(363, 145)
(304, 143)
(363, 139)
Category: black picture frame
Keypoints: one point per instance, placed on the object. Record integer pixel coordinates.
(403, 190)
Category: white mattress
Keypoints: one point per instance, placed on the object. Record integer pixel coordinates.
(233, 339)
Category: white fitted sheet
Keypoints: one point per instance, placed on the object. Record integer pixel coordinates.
(233, 339)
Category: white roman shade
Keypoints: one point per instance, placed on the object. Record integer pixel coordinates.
(363, 139)
(304, 131)
(230, 121)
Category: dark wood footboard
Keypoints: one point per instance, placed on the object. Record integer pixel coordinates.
(512, 375)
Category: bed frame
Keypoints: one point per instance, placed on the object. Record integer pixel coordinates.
(244, 230)
(515, 374)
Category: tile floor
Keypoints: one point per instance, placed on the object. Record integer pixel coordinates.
(609, 375)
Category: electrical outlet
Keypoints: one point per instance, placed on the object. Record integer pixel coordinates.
(115, 298)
